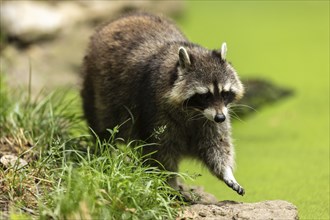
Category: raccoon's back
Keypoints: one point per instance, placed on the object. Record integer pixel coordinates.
(117, 66)
(132, 39)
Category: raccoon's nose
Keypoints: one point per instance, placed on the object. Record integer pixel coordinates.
(219, 118)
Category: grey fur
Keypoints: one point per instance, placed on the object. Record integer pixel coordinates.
(134, 71)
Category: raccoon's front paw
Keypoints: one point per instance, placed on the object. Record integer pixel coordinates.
(230, 180)
(235, 186)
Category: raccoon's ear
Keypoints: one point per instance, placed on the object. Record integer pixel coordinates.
(223, 51)
(184, 59)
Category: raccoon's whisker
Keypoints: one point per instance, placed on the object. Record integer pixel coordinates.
(200, 111)
(233, 114)
(206, 120)
(192, 115)
(196, 117)
(242, 105)
(182, 106)
(185, 104)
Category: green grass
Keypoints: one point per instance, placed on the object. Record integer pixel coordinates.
(283, 150)
(63, 180)
(113, 184)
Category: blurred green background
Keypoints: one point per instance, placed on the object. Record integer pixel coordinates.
(282, 151)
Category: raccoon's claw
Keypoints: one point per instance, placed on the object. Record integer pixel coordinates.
(235, 186)
(230, 180)
(241, 190)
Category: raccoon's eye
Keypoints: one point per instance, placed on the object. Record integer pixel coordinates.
(227, 97)
(206, 97)
(200, 101)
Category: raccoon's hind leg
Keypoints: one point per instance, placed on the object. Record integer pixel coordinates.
(88, 99)
(173, 182)
(220, 163)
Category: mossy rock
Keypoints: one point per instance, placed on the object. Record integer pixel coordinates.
(259, 93)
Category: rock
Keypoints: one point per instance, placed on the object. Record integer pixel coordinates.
(259, 93)
(29, 21)
(265, 210)
(53, 54)
(204, 205)
(196, 194)
(12, 161)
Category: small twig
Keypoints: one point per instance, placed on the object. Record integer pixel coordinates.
(28, 210)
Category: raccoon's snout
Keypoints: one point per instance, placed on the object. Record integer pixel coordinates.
(219, 118)
(214, 115)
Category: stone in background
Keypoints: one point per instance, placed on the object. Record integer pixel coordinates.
(50, 37)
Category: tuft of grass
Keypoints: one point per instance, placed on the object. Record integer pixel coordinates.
(62, 178)
(113, 184)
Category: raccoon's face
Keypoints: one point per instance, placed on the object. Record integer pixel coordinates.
(206, 83)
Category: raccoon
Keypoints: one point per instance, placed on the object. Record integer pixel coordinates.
(140, 69)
